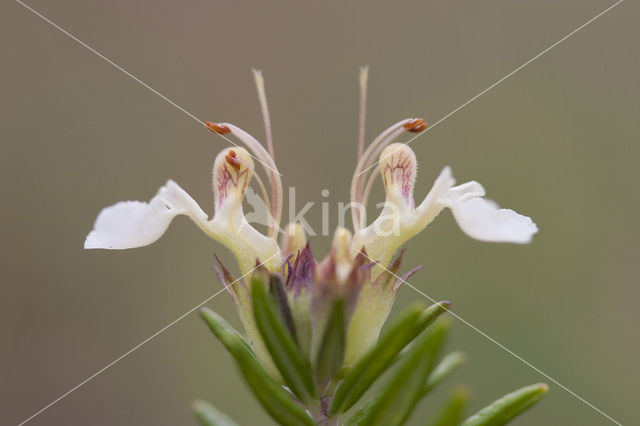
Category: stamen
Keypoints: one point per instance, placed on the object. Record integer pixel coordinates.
(364, 77)
(215, 127)
(359, 190)
(264, 194)
(359, 175)
(373, 155)
(416, 126)
(262, 96)
(382, 145)
(269, 165)
(369, 186)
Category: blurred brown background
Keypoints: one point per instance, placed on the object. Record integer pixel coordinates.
(557, 141)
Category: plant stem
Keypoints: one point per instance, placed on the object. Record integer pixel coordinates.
(320, 412)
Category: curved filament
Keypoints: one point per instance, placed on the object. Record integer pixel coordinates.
(359, 175)
(268, 164)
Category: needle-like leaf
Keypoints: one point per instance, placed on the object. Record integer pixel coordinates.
(274, 398)
(400, 395)
(208, 415)
(285, 353)
(332, 346)
(409, 323)
(452, 412)
(279, 294)
(503, 410)
(444, 369)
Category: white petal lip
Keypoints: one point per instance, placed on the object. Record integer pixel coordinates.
(130, 224)
(483, 220)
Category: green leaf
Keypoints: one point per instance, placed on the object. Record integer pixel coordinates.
(285, 353)
(376, 361)
(362, 412)
(503, 410)
(409, 323)
(332, 346)
(208, 415)
(429, 315)
(274, 398)
(279, 294)
(228, 328)
(452, 413)
(444, 369)
(400, 395)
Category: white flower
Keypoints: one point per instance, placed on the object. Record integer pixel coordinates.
(130, 224)
(400, 219)
(348, 270)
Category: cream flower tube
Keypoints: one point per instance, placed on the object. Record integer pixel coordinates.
(130, 224)
(400, 219)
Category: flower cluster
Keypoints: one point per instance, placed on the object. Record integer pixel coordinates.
(357, 277)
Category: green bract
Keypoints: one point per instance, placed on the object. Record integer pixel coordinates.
(279, 341)
(273, 397)
(408, 350)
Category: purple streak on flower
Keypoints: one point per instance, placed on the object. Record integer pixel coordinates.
(301, 274)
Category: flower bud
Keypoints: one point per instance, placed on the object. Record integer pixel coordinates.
(293, 239)
(340, 248)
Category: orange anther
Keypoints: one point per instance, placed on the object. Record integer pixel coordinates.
(411, 124)
(214, 127)
(418, 128)
(416, 125)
